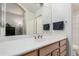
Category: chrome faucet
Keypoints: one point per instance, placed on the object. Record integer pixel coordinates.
(37, 37)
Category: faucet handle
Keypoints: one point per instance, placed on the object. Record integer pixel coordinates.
(34, 37)
(38, 36)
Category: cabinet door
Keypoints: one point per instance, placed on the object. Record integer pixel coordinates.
(63, 42)
(48, 49)
(45, 50)
(63, 53)
(55, 53)
(33, 53)
(63, 48)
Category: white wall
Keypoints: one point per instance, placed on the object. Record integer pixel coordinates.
(59, 14)
(45, 12)
(52, 13)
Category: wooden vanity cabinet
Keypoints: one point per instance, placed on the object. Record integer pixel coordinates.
(32, 53)
(48, 49)
(55, 49)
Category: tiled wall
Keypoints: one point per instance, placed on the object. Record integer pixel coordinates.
(76, 29)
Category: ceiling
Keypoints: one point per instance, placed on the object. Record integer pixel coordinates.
(32, 6)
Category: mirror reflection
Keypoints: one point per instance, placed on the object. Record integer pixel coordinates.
(14, 19)
(26, 18)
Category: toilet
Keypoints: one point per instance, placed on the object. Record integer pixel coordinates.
(75, 50)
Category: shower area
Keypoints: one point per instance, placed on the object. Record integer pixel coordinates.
(75, 28)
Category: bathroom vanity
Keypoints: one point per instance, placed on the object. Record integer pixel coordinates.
(54, 45)
(58, 48)
(16, 25)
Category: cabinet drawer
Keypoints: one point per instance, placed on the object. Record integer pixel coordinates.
(45, 50)
(55, 53)
(55, 46)
(49, 54)
(62, 42)
(62, 48)
(48, 49)
(33, 53)
(63, 53)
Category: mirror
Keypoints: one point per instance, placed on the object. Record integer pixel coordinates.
(26, 18)
(14, 19)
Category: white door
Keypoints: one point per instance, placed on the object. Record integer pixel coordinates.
(39, 25)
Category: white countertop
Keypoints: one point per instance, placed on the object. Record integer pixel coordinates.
(24, 44)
